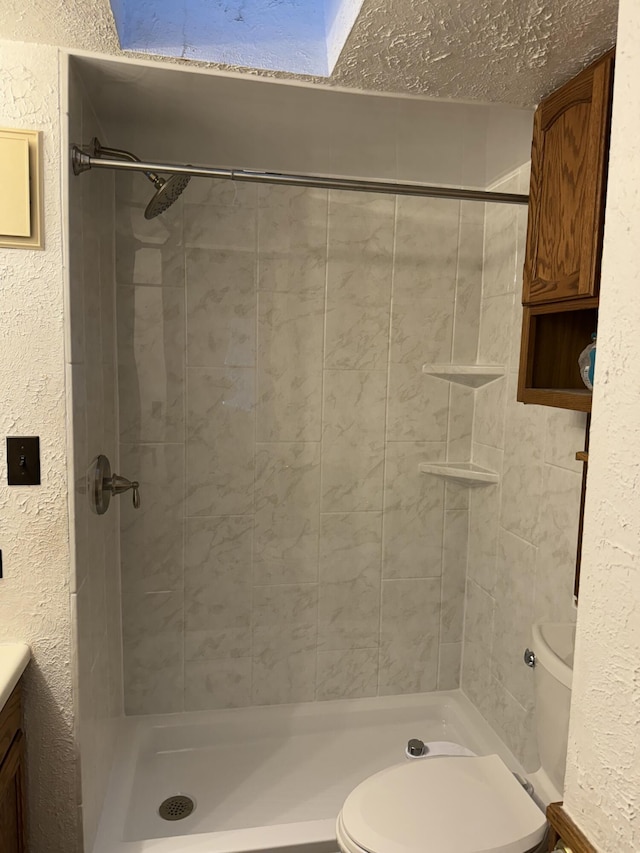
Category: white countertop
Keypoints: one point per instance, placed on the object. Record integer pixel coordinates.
(14, 658)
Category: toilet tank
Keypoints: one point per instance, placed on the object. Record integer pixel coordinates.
(553, 644)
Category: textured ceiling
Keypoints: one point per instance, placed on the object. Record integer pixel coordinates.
(501, 51)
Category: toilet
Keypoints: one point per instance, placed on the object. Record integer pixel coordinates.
(471, 803)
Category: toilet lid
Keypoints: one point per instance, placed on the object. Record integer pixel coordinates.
(452, 804)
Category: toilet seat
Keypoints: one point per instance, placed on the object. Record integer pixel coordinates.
(441, 805)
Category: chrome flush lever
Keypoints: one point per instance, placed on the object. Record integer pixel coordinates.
(101, 484)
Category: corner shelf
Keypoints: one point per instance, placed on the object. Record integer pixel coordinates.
(472, 375)
(465, 473)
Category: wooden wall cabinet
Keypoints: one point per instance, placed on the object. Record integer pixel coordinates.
(12, 804)
(569, 157)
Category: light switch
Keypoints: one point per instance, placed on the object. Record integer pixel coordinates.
(15, 204)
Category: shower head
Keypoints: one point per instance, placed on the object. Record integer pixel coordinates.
(167, 192)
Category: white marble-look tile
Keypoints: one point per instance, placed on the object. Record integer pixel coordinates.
(489, 414)
(350, 546)
(468, 284)
(220, 441)
(290, 330)
(557, 544)
(217, 582)
(151, 364)
(149, 251)
(496, 329)
(284, 643)
(151, 537)
(421, 330)
(426, 247)
(361, 228)
(449, 664)
(349, 613)
(484, 519)
(514, 597)
(292, 239)
(356, 333)
(222, 193)
(523, 462)
(347, 674)
(418, 405)
(221, 308)
(476, 677)
(479, 617)
(516, 333)
(275, 607)
(565, 435)
(287, 507)
(220, 226)
(284, 665)
(456, 496)
(454, 572)
(409, 626)
(349, 590)
(500, 244)
(210, 684)
(353, 440)
(413, 511)
(514, 724)
(461, 407)
(153, 652)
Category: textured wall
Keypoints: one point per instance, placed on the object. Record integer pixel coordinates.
(300, 554)
(34, 594)
(96, 547)
(603, 778)
(501, 51)
(522, 534)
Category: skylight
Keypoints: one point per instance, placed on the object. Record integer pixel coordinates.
(300, 36)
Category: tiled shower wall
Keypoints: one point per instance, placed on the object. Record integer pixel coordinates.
(272, 405)
(522, 539)
(91, 378)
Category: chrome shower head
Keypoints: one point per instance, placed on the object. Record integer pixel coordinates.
(168, 191)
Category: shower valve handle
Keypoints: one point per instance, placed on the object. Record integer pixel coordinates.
(119, 484)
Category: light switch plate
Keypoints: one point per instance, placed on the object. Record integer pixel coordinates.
(21, 209)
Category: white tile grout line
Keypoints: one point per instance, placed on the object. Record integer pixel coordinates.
(385, 434)
(321, 443)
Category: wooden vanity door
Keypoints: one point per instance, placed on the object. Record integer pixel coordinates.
(568, 182)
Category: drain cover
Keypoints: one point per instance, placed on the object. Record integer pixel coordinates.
(176, 808)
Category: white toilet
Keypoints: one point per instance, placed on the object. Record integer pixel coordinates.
(463, 804)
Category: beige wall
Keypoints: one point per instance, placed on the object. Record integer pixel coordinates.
(523, 531)
(291, 326)
(34, 536)
(96, 547)
(603, 776)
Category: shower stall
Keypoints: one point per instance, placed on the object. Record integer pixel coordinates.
(264, 342)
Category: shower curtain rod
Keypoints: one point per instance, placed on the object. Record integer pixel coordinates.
(82, 162)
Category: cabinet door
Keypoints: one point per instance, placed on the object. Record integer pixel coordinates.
(12, 818)
(569, 157)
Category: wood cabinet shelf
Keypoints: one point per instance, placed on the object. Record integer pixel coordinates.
(553, 336)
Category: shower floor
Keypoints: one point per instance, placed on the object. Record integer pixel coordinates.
(271, 777)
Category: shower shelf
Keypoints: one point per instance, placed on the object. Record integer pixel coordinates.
(473, 375)
(465, 473)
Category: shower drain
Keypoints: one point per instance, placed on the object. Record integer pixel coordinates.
(176, 808)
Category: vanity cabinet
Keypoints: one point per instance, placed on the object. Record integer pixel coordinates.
(564, 835)
(561, 278)
(12, 808)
